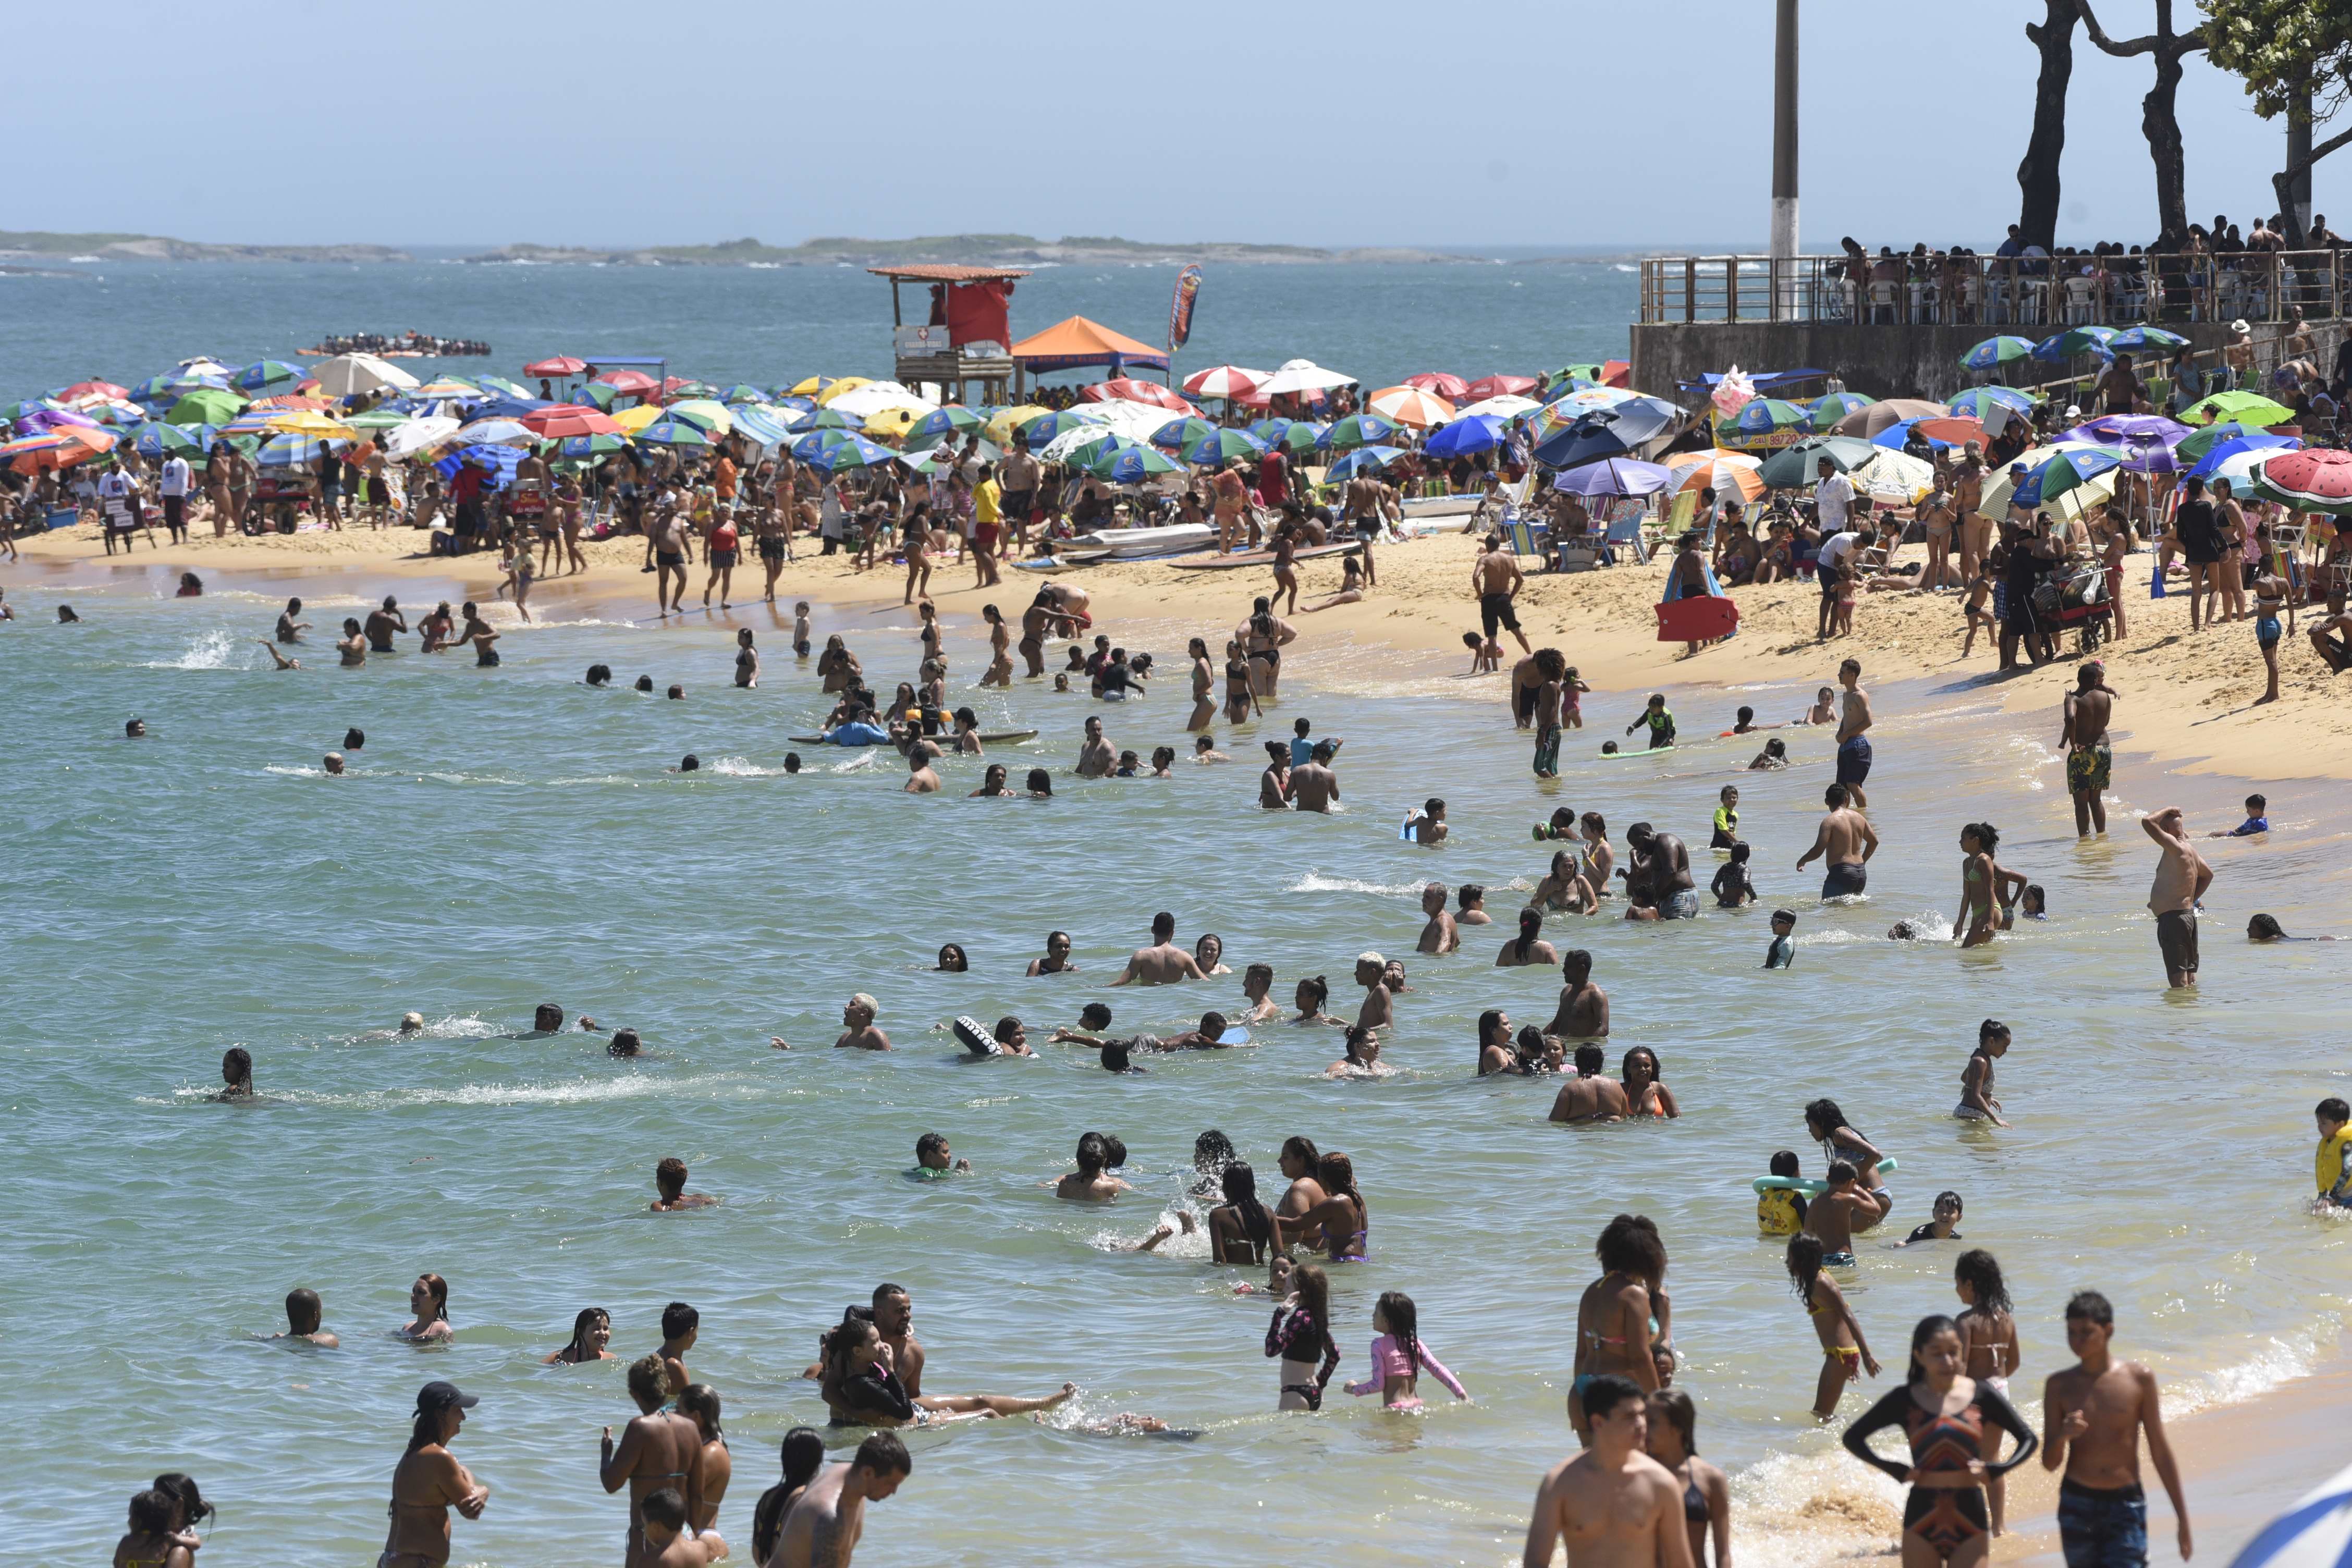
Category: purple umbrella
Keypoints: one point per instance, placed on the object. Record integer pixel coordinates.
(1615, 477)
(2128, 430)
(51, 418)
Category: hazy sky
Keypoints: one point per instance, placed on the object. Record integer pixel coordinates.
(1381, 123)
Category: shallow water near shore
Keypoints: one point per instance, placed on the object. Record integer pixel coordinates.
(512, 836)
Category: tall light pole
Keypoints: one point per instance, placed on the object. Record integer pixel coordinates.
(1784, 156)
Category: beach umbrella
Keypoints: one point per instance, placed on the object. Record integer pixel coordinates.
(1828, 410)
(2238, 468)
(1298, 376)
(558, 420)
(560, 365)
(1727, 474)
(2251, 449)
(1450, 387)
(580, 447)
(2075, 341)
(1128, 389)
(2056, 475)
(862, 402)
(949, 419)
(1615, 477)
(2249, 408)
(290, 402)
(2127, 429)
(703, 413)
(440, 386)
(2134, 339)
(512, 407)
(1502, 405)
(1410, 406)
(1130, 463)
(761, 425)
(174, 383)
(55, 419)
(1297, 436)
(672, 433)
(497, 432)
(2315, 479)
(810, 386)
(841, 388)
(205, 405)
(1795, 468)
(637, 416)
(596, 393)
(1465, 436)
(347, 376)
(628, 382)
(503, 387)
(892, 423)
(815, 441)
(2316, 1533)
(501, 462)
(1363, 459)
(1763, 419)
(1227, 381)
(1588, 400)
(1588, 440)
(1488, 387)
(418, 435)
(112, 412)
(383, 416)
(19, 449)
(287, 451)
(250, 422)
(1980, 401)
(1044, 427)
(742, 392)
(1996, 351)
(1892, 477)
(1005, 421)
(1868, 422)
(830, 419)
(159, 439)
(1081, 444)
(309, 422)
(81, 391)
(1179, 433)
(680, 386)
(849, 452)
(2199, 442)
(1223, 446)
(61, 447)
(268, 375)
(16, 411)
(1358, 430)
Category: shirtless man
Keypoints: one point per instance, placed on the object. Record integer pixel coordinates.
(1097, 756)
(660, 1450)
(1090, 1182)
(1614, 1505)
(1845, 1208)
(2090, 760)
(1853, 734)
(288, 628)
(920, 778)
(662, 1541)
(1379, 1010)
(1439, 935)
(2331, 634)
(2093, 1413)
(894, 1318)
(1314, 786)
(1527, 687)
(1583, 1010)
(858, 1032)
(381, 622)
(1496, 579)
(1847, 840)
(824, 1526)
(1974, 532)
(669, 1180)
(1591, 1095)
(673, 552)
(303, 1314)
(681, 1326)
(429, 1481)
(1662, 862)
(2182, 876)
(1163, 962)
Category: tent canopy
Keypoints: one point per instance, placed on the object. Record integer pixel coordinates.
(1078, 343)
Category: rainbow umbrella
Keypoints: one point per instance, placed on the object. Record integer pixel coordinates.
(1224, 445)
(34, 445)
(1357, 430)
(2315, 479)
(1994, 352)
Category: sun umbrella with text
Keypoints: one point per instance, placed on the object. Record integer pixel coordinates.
(1977, 401)
(2073, 343)
(1363, 459)
(1358, 430)
(1046, 427)
(949, 419)
(807, 448)
(1615, 477)
(1465, 437)
(742, 392)
(849, 452)
(1179, 433)
(2249, 408)
(2136, 339)
(1760, 419)
(2053, 477)
(2253, 447)
(1795, 468)
(580, 447)
(157, 438)
(2197, 442)
(174, 383)
(1128, 463)
(2315, 479)
(268, 375)
(205, 405)
(1297, 436)
(1995, 352)
(1828, 409)
(673, 433)
(1224, 445)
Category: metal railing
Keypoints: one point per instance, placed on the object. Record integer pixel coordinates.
(2046, 292)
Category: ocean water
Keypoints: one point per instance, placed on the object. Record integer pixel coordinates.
(123, 321)
(510, 836)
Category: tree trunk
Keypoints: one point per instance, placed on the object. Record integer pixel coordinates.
(2158, 121)
(2037, 172)
(2293, 183)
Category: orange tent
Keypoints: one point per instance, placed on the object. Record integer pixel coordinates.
(1068, 345)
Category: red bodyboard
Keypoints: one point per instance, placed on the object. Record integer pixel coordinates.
(1697, 619)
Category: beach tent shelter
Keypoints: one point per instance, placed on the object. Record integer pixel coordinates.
(1079, 343)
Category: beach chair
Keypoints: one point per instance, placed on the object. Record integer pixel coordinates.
(1523, 537)
(1625, 532)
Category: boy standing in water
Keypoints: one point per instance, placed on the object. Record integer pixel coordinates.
(2093, 1413)
(1549, 697)
(1781, 954)
(1613, 1502)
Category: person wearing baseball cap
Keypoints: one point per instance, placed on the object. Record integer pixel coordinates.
(429, 1481)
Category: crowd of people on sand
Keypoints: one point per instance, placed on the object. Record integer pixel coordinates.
(1638, 1489)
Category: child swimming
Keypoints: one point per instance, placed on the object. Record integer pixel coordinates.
(1399, 1356)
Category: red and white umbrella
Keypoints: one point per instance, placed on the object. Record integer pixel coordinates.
(1453, 388)
(1410, 406)
(1488, 387)
(554, 424)
(561, 365)
(1224, 381)
(629, 383)
(2315, 478)
(1127, 389)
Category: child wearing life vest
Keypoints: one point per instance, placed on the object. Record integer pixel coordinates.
(1779, 1210)
(2332, 1166)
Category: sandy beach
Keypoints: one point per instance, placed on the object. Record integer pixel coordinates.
(2189, 700)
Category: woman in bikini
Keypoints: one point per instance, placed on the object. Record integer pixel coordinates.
(1301, 1337)
(428, 1299)
(1988, 1338)
(1613, 1315)
(1241, 696)
(699, 1402)
(1563, 890)
(592, 1331)
(1528, 947)
(1204, 681)
(1286, 566)
(1840, 1139)
(1954, 1423)
(1646, 1091)
(1706, 1491)
(999, 646)
(1240, 1229)
(428, 1482)
(1845, 1354)
(1987, 889)
(1600, 858)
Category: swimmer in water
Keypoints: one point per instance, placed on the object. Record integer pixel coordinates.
(429, 1481)
(1825, 708)
(1470, 906)
(1529, 947)
(934, 1161)
(669, 1180)
(333, 763)
(1399, 1356)
(592, 1332)
(1363, 1057)
(1090, 1182)
(2266, 928)
(303, 1312)
(1438, 933)
(992, 784)
(1204, 751)
(428, 1304)
(952, 960)
(1057, 956)
(1976, 1101)
(236, 1074)
(858, 1032)
(280, 659)
(1257, 984)
(410, 1023)
(1775, 754)
(1310, 996)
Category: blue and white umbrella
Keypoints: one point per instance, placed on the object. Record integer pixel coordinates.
(1615, 477)
(759, 424)
(501, 461)
(1465, 437)
(2316, 1533)
(1364, 460)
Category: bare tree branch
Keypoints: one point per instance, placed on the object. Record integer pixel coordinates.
(2163, 40)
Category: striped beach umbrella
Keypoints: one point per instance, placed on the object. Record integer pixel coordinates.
(2316, 1533)
(1727, 474)
(705, 413)
(1227, 381)
(296, 451)
(1410, 406)
(761, 425)
(501, 462)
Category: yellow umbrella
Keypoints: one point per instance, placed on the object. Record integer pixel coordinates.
(310, 422)
(808, 386)
(892, 421)
(708, 413)
(636, 420)
(846, 384)
(1000, 429)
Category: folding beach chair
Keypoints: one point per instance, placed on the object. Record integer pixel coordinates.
(1625, 531)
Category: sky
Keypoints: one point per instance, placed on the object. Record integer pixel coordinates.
(1509, 123)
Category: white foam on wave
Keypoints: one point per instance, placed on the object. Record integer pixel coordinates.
(742, 768)
(310, 601)
(1315, 882)
(1179, 1244)
(210, 650)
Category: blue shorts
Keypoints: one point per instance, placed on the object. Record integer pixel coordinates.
(1854, 760)
(2267, 631)
(2103, 1527)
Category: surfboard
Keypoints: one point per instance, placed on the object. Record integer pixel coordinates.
(1645, 752)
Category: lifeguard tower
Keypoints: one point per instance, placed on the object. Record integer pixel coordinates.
(960, 340)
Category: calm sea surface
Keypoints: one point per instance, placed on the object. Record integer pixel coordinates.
(509, 836)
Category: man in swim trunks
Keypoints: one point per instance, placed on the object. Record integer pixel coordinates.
(1583, 1010)
(2090, 759)
(2093, 1415)
(2182, 876)
(1845, 1208)
(1848, 841)
(1097, 756)
(1660, 861)
(1853, 740)
(1163, 962)
(1438, 934)
(1615, 1506)
(824, 1527)
(1315, 787)
(858, 1032)
(1496, 579)
(381, 622)
(1591, 1095)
